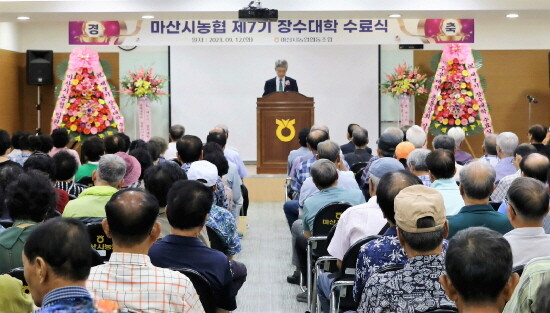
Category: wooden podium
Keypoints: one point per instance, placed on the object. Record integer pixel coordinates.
(280, 117)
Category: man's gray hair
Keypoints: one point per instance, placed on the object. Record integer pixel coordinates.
(457, 134)
(396, 132)
(111, 169)
(319, 127)
(416, 136)
(281, 63)
(477, 179)
(490, 144)
(324, 173)
(328, 150)
(417, 159)
(507, 141)
(223, 127)
(374, 180)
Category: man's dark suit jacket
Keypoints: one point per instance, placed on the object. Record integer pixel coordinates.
(350, 147)
(271, 85)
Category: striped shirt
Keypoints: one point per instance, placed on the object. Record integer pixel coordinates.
(536, 272)
(136, 284)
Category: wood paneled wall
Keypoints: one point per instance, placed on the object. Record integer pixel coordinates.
(10, 77)
(510, 75)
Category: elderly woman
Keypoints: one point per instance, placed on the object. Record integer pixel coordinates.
(281, 83)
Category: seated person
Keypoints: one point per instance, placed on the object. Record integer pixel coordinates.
(29, 198)
(441, 165)
(522, 150)
(60, 138)
(65, 169)
(386, 149)
(477, 183)
(416, 163)
(231, 153)
(220, 219)
(57, 263)
(478, 269)
(108, 178)
(527, 207)
(189, 203)
(525, 298)
(416, 135)
(458, 135)
(489, 148)
(537, 135)
(448, 143)
(421, 223)
(506, 145)
(402, 151)
(350, 146)
(92, 149)
(360, 139)
(131, 215)
(12, 296)
(303, 150)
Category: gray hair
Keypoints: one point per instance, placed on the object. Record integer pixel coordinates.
(490, 144)
(444, 142)
(324, 173)
(360, 137)
(416, 136)
(319, 127)
(507, 141)
(417, 159)
(477, 179)
(111, 169)
(374, 180)
(177, 131)
(396, 132)
(457, 134)
(281, 63)
(222, 127)
(328, 150)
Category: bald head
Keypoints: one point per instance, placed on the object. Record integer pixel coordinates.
(315, 137)
(131, 214)
(477, 180)
(535, 165)
(320, 127)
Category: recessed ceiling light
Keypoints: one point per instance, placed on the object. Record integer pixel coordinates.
(512, 15)
(148, 17)
(395, 15)
(23, 18)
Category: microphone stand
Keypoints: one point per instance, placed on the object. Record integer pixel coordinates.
(531, 101)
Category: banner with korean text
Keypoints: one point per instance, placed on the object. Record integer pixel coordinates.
(281, 32)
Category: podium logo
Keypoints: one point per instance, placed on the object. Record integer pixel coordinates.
(283, 124)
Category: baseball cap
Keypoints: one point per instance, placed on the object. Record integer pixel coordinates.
(403, 149)
(204, 171)
(383, 166)
(387, 142)
(416, 202)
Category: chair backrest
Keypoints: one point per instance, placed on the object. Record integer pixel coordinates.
(216, 240)
(358, 167)
(324, 220)
(330, 234)
(18, 273)
(495, 205)
(203, 288)
(86, 181)
(100, 242)
(518, 269)
(349, 263)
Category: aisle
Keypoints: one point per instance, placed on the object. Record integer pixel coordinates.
(266, 253)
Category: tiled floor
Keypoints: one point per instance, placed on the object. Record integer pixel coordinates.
(266, 253)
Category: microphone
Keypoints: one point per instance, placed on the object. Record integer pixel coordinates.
(532, 99)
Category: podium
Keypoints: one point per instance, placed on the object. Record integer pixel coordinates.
(280, 117)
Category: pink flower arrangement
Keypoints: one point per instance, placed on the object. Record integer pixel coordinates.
(404, 81)
(143, 83)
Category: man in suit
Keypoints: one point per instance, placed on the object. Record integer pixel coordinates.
(281, 83)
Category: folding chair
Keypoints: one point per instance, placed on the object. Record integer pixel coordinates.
(203, 288)
(100, 242)
(518, 269)
(357, 170)
(86, 181)
(495, 205)
(324, 220)
(18, 273)
(288, 190)
(216, 240)
(345, 279)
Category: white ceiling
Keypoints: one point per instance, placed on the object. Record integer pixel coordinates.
(52, 10)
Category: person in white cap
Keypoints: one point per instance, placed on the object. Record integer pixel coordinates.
(220, 219)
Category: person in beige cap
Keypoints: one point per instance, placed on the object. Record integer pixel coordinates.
(421, 228)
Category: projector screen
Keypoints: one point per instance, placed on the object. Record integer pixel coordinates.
(219, 85)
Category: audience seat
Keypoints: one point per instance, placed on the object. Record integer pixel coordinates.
(216, 240)
(6, 223)
(325, 219)
(100, 242)
(518, 269)
(495, 205)
(18, 273)
(86, 181)
(203, 288)
(345, 279)
(357, 170)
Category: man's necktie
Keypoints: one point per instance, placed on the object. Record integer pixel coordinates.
(281, 85)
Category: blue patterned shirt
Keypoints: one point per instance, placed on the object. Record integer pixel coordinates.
(377, 254)
(223, 221)
(220, 198)
(186, 166)
(365, 176)
(415, 288)
(426, 181)
(302, 173)
(68, 300)
(21, 158)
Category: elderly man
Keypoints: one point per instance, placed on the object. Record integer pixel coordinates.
(176, 132)
(230, 153)
(421, 229)
(489, 148)
(57, 263)
(396, 132)
(350, 147)
(417, 165)
(131, 223)
(416, 136)
(477, 183)
(527, 207)
(303, 150)
(280, 83)
(441, 164)
(458, 135)
(488, 284)
(523, 150)
(506, 145)
(448, 143)
(90, 204)
(386, 149)
(360, 139)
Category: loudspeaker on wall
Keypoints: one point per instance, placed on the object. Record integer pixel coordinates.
(40, 67)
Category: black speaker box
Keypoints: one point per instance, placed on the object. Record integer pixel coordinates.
(40, 67)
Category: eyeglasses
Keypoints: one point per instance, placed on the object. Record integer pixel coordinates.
(508, 202)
